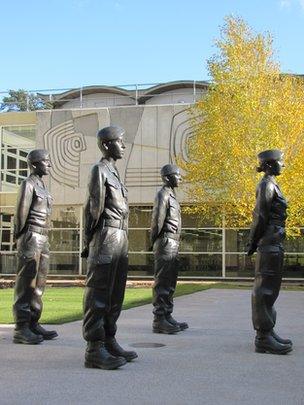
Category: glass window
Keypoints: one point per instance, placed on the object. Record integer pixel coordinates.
(195, 220)
(64, 263)
(203, 265)
(8, 263)
(65, 240)
(139, 240)
(201, 240)
(237, 240)
(66, 216)
(16, 142)
(239, 265)
(22, 164)
(141, 264)
(293, 265)
(140, 217)
(11, 162)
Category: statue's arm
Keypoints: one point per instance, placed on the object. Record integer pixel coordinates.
(94, 205)
(158, 215)
(264, 196)
(24, 201)
(97, 193)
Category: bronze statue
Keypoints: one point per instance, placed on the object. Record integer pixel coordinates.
(106, 246)
(266, 236)
(165, 236)
(32, 221)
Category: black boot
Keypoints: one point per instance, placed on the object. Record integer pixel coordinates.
(182, 325)
(266, 343)
(23, 334)
(279, 339)
(97, 356)
(46, 334)
(161, 325)
(116, 350)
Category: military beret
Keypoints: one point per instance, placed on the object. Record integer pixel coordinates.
(169, 169)
(37, 155)
(272, 154)
(110, 133)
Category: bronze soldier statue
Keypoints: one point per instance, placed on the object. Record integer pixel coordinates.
(106, 246)
(266, 236)
(32, 221)
(165, 236)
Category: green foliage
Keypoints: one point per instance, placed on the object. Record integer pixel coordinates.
(250, 107)
(21, 100)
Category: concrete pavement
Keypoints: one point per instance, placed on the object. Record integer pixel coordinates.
(212, 362)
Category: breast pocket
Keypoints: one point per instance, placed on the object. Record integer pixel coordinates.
(40, 195)
(113, 184)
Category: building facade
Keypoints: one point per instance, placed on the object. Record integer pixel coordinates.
(157, 130)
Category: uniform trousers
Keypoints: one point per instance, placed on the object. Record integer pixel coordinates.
(105, 284)
(165, 275)
(32, 269)
(267, 284)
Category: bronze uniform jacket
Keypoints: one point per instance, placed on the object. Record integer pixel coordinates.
(107, 198)
(166, 215)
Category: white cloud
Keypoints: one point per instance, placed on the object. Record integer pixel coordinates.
(118, 6)
(301, 2)
(285, 3)
(80, 4)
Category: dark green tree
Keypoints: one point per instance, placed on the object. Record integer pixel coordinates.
(22, 100)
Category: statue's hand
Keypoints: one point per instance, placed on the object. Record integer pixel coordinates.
(85, 253)
(251, 249)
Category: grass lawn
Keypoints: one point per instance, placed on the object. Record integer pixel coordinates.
(65, 304)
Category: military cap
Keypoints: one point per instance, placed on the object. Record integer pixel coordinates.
(37, 155)
(169, 169)
(110, 133)
(272, 154)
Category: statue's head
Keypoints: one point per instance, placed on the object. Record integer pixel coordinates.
(110, 142)
(271, 162)
(39, 162)
(171, 175)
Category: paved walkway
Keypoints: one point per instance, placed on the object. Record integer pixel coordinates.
(212, 362)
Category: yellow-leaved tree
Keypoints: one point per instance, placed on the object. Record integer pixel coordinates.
(250, 107)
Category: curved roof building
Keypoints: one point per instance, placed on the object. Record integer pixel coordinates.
(177, 92)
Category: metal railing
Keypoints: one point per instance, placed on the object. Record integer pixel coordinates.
(135, 94)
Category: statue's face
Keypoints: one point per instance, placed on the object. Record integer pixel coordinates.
(42, 168)
(116, 148)
(277, 167)
(174, 179)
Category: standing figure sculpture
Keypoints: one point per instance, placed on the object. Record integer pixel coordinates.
(165, 236)
(266, 236)
(106, 246)
(32, 221)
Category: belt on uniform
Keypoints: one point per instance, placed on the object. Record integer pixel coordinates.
(116, 223)
(170, 235)
(37, 229)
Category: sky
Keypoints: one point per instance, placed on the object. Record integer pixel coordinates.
(60, 44)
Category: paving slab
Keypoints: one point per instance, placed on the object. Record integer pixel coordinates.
(212, 362)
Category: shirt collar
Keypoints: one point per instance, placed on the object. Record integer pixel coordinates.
(38, 180)
(171, 191)
(111, 167)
